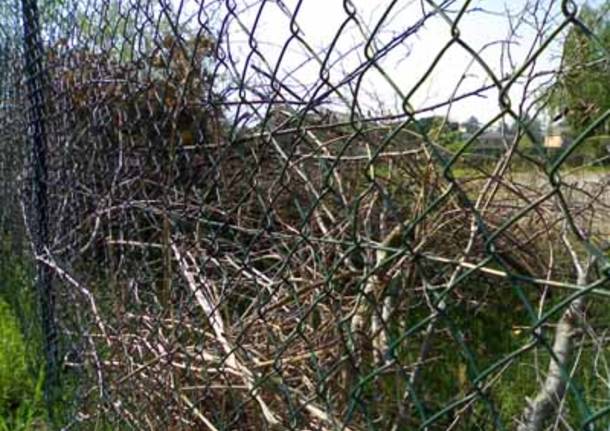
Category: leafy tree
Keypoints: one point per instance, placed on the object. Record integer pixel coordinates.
(472, 124)
(582, 92)
(440, 129)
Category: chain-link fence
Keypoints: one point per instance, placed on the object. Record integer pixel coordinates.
(261, 215)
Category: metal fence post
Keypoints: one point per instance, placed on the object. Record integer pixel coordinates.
(35, 84)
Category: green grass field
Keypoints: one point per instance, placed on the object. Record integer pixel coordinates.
(22, 405)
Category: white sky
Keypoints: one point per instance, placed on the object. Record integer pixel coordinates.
(483, 27)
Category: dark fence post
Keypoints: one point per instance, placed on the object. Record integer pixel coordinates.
(35, 80)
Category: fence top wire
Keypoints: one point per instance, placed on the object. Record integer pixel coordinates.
(305, 215)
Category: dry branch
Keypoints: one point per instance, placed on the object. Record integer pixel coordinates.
(539, 410)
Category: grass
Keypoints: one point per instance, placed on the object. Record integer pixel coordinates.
(589, 169)
(21, 400)
(22, 405)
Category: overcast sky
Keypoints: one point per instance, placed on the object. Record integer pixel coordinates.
(503, 32)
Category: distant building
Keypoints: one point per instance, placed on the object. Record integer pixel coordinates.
(491, 142)
(554, 141)
(557, 136)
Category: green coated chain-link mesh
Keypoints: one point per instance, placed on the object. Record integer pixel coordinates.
(238, 220)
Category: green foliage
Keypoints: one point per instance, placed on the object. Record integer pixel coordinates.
(595, 149)
(486, 327)
(21, 405)
(17, 293)
(29, 413)
(583, 90)
(472, 125)
(21, 373)
(439, 128)
(14, 381)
